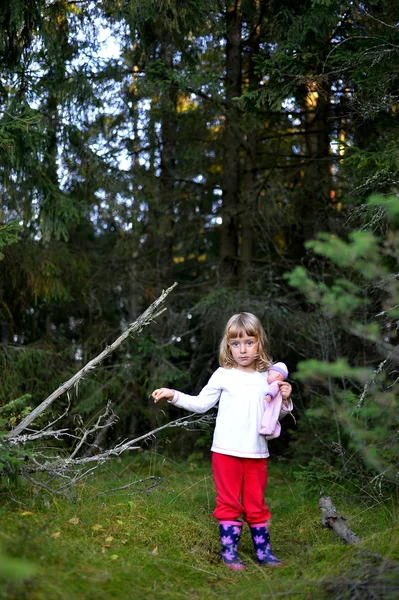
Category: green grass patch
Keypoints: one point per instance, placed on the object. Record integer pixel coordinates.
(157, 539)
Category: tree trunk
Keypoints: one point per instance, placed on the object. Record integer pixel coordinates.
(250, 181)
(317, 171)
(229, 236)
(162, 207)
(167, 177)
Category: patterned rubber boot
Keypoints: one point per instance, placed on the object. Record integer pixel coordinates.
(263, 549)
(230, 533)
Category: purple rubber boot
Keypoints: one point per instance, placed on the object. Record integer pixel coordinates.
(230, 532)
(263, 550)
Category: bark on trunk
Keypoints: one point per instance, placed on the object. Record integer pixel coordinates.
(229, 236)
(317, 172)
(167, 177)
(247, 214)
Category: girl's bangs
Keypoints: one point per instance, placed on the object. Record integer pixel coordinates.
(239, 330)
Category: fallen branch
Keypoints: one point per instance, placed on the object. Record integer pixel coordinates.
(61, 464)
(331, 519)
(146, 318)
(72, 469)
(58, 469)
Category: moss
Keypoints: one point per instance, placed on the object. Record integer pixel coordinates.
(164, 544)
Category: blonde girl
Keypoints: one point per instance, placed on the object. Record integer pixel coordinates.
(239, 452)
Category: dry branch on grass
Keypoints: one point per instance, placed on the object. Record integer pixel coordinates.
(55, 472)
(331, 519)
(58, 474)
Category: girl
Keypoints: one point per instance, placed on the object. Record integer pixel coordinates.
(239, 452)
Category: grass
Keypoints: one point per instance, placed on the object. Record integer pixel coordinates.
(163, 543)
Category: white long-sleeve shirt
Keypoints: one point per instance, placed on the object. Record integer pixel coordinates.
(241, 405)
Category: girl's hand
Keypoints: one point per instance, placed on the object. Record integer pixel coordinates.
(286, 390)
(161, 393)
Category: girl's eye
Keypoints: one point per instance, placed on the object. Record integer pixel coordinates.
(249, 343)
(235, 344)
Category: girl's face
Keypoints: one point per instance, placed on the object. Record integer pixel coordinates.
(244, 351)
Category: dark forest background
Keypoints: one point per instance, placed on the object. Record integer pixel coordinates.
(232, 147)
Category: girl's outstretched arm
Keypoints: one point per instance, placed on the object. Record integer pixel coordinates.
(161, 393)
(206, 399)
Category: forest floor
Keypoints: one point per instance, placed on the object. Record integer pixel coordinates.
(163, 543)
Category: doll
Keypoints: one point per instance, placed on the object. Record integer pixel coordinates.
(273, 401)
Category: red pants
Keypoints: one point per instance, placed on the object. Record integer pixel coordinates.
(240, 486)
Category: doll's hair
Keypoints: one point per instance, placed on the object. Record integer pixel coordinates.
(240, 325)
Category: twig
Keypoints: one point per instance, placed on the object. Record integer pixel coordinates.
(41, 485)
(63, 414)
(157, 481)
(111, 419)
(368, 383)
(23, 439)
(375, 18)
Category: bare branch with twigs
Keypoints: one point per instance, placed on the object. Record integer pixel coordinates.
(64, 472)
(56, 473)
(152, 312)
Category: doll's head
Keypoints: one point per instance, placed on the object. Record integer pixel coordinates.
(277, 372)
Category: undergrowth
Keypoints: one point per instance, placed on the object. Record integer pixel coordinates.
(157, 539)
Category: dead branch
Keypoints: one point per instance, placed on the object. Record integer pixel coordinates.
(58, 470)
(146, 318)
(72, 469)
(331, 519)
(61, 464)
(104, 421)
(96, 445)
(20, 440)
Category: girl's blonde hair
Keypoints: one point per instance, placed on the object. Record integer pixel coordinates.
(238, 326)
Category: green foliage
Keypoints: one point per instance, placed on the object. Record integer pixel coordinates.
(19, 19)
(14, 411)
(368, 418)
(340, 369)
(32, 373)
(338, 300)
(12, 457)
(8, 234)
(390, 205)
